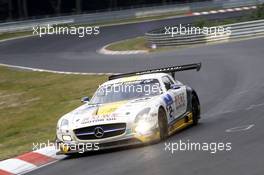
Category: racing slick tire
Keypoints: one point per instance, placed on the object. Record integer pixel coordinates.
(163, 124)
(195, 110)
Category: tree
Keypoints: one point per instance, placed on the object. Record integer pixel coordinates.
(56, 5)
(20, 12)
(22, 9)
(78, 5)
(25, 8)
(113, 4)
(10, 9)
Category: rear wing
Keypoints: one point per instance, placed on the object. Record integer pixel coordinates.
(170, 70)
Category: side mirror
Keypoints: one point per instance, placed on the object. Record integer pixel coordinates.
(85, 99)
(175, 86)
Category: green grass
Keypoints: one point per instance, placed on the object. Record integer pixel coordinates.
(255, 15)
(32, 102)
(4, 36)
(139, 43)
(129, 20)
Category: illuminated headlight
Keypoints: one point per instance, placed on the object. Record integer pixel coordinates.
(145, 122)
(66, 138)
(143, 127)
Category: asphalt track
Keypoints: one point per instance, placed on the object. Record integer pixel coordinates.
(74, 54)
(230, 86)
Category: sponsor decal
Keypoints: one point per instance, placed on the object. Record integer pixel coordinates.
(180, 100)
(133, 78)
(109, 108)
(95, 119)
(169, 101)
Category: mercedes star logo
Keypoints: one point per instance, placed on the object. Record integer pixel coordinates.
(98, 132)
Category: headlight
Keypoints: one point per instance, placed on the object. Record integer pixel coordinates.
(143, 127)
(64, 124)
(144, 122)
(143, 115)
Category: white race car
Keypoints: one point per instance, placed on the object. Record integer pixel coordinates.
(129, 109)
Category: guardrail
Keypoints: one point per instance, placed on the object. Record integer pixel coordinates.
(12, 27)
(125, 14)
(160, 38)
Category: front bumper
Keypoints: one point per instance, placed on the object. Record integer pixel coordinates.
(128, 140)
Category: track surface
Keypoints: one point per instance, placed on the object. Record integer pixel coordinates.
(73, 54)
(230, 86)
(231, 89)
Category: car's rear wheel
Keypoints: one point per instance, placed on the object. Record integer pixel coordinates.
(195, 110)
(163, 124)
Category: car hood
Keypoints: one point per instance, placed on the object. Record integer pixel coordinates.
(116, 112)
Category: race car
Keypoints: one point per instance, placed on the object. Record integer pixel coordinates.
(130, 109)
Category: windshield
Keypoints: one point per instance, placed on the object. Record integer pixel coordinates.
(127, 91)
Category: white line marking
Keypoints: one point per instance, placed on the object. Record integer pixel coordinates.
(196, 13)
(213, 11)
(52, 71)
(105, 51)
(230, 10)
(205, 13)
(14, 38)
(255, 106)
(221, 11)
(240, 128)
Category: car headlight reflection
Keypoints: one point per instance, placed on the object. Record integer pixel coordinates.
(143, 127)
(144, 122)
(142, 115)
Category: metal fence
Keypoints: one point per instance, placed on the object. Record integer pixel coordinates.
(159, 38)
(125, 14)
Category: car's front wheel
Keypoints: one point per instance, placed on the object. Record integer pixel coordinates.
(163, 124)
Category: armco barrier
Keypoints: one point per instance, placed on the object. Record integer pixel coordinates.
(160, 38)
(126, 14)
(11, 27)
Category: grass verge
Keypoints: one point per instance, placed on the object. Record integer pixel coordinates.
(5, 36)
(32, 102)
(139, 43)
(255, 15)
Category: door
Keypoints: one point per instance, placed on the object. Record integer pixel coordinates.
(175, 99)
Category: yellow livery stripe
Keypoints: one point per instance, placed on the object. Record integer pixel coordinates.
(127, 79)
(181, 124)
(110, 107)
